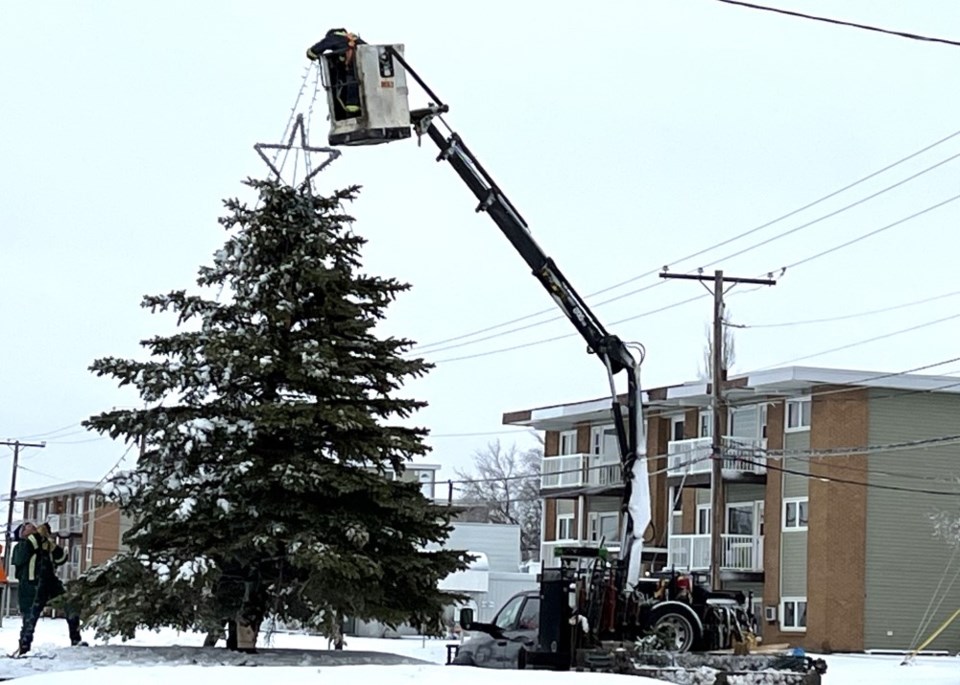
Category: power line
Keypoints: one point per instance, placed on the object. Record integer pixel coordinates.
(847, 481)
(742, 251)
(699, 297)
(866, 27)
(865, 341)
(874, 232)
(843, 317)
(755, 229)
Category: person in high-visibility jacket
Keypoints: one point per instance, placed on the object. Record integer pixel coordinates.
(343, 70)
(37, 556)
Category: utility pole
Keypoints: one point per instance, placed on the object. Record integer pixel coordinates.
(8, 547)
(716, 387)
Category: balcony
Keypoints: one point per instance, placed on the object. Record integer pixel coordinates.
(69, 570)
(691, 457)
(692, 552)
(64, 525)
(580, 470)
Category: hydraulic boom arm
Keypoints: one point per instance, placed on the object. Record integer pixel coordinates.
(612, 351)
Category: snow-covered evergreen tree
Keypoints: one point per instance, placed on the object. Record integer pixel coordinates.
(261, 489)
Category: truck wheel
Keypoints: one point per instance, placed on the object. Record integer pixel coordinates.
(676, 630)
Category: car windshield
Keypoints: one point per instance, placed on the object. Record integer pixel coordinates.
(507, 617)
(530, 616)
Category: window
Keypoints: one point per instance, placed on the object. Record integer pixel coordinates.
(798, 414)
(793, 613)
(89, 555)
(603, 441)
(530, 616)
(568, 442)
(795, 513)
(565, 527)
(507, 616)
(763, 421)
(676, 518)
(740, 518)
(706, 424)
(676, 428)
(41, 514)
(703, 519)
(604, 525)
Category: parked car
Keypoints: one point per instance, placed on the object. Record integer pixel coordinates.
(517, 622)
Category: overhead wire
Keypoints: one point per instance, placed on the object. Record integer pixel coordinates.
(844, 317)
(840, 22)
(714, 246)
(703, 296)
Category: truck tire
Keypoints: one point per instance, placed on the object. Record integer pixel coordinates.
(677, 629)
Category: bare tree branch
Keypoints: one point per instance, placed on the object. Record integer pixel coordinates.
(505, 486)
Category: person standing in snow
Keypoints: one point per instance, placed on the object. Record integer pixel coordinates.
(36, 557)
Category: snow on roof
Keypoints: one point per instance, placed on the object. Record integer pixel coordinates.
(67, 488)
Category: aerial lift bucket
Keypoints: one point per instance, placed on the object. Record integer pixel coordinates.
(367, 98)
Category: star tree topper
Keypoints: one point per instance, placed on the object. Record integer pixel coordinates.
(332, 153)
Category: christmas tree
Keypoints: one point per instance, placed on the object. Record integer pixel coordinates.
(269, 431)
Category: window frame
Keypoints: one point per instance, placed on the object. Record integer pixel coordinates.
(796, 602)
(595, 520)
(568, 435)
(797, 527)
(801, 402)
(705, 423)
(572, 518)
(708, 519)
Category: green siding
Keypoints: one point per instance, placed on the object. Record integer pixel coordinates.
(604, 504)
(793, 563)
(745, 492)
(703, 496)
(793, 544)
(904, 560)
(795, 485)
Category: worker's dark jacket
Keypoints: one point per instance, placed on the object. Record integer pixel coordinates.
(36, 560)
(336, 40)
(343, 73)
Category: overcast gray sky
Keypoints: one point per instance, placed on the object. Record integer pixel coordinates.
(630, 134)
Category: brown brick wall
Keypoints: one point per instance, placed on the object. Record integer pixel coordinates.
(551, 444)
(583, 438)
(550, 520)
(836, 541)
(689, 504)
(106, 533)
(691, 423)
(657, 437)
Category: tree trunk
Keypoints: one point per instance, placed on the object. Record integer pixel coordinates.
(212, 638)
(232, 635)
(247, 635)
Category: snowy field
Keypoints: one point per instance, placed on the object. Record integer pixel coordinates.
(295, 659)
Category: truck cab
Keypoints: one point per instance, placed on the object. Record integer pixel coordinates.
(498, 643)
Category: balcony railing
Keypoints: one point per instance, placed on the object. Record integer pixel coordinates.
(693, 456)
(692, 552)
(66, 524)
(69, 570)
(580, 470)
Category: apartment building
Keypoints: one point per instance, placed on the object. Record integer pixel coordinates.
(835, 557)
(87, 527)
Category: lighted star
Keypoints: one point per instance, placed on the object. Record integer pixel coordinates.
(332, 153)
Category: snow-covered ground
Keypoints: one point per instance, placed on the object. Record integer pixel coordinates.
(296, 659)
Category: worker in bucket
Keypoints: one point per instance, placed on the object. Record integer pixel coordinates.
(343, 70)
